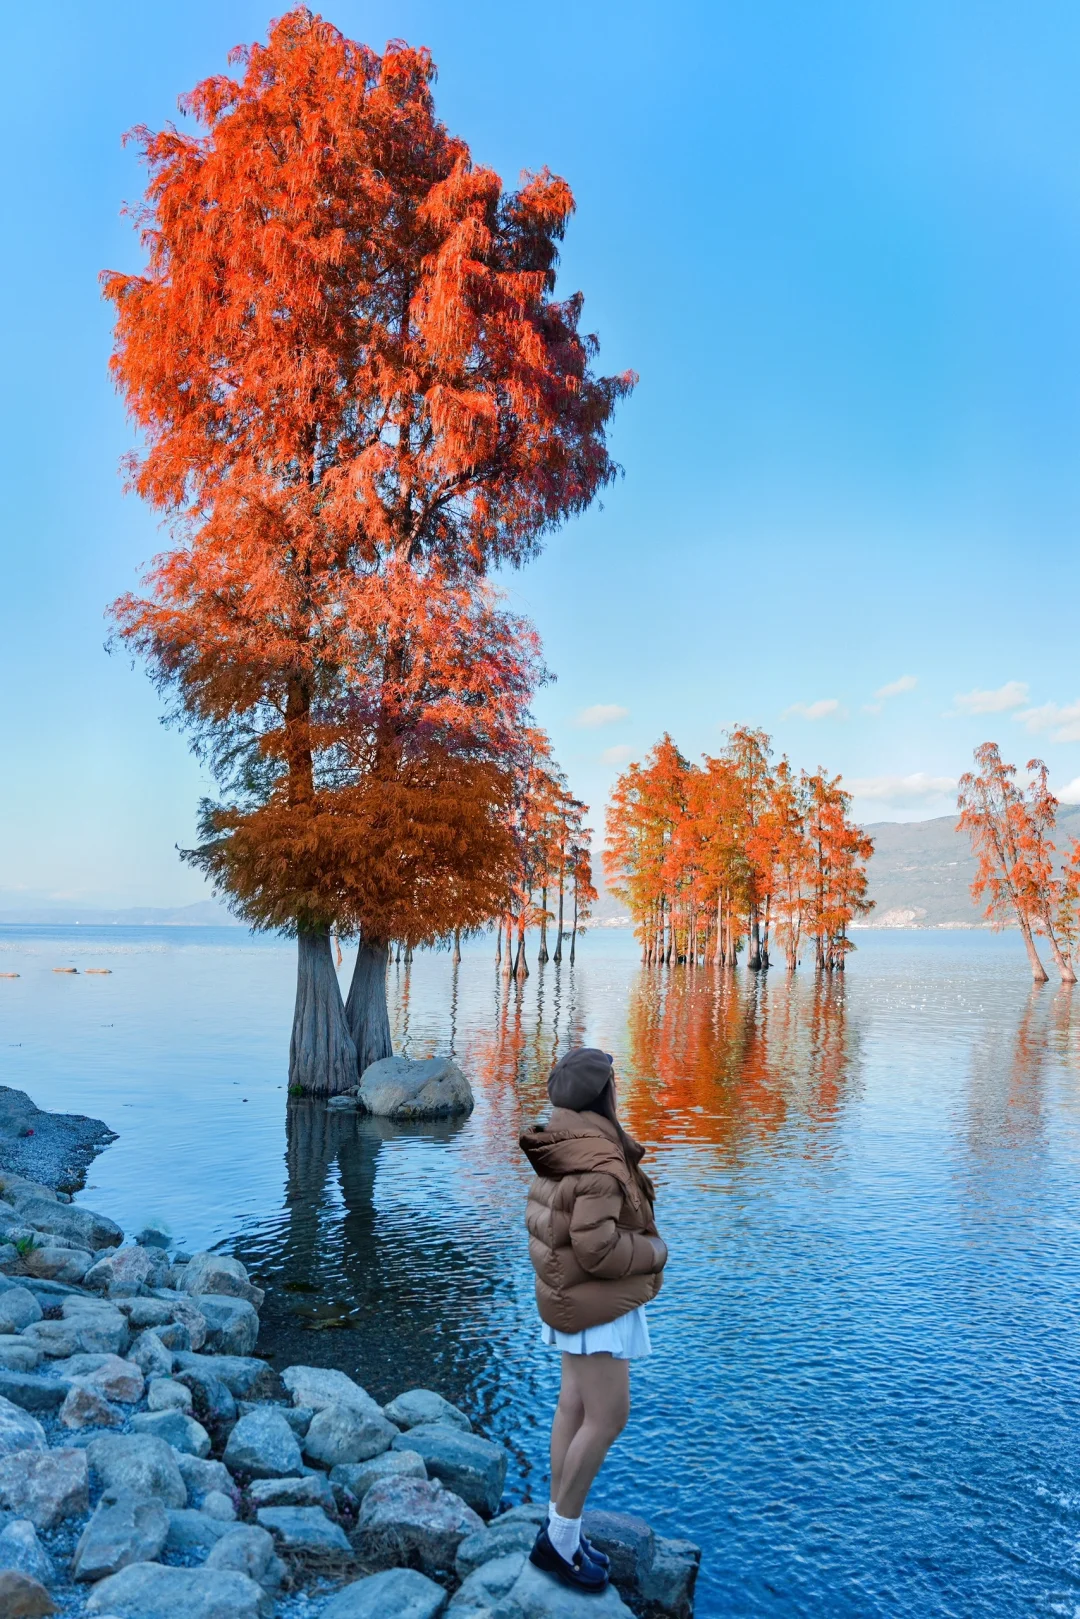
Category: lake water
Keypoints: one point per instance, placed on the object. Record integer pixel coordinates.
(866, 1381)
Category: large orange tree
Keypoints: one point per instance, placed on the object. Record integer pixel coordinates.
(356, 391)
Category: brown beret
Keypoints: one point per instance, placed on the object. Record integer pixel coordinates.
(578, 1078)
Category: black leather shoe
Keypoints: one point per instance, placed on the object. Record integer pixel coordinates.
(594, 1554)
(583, 1574)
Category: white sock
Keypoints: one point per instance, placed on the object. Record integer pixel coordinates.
(564, 1534)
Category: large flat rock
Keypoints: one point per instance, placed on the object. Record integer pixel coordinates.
(403, 1088)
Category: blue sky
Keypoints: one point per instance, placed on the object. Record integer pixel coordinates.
(840, 244)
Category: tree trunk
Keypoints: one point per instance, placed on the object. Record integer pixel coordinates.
(558, 941)
(456, 957)
(322, 1055)
(543, 953)
(573, 933)
(753, 943)
(521, 966)
(498, 942)
(1064, 965)
(369, 1022)
(1038, 971)
(408, 955)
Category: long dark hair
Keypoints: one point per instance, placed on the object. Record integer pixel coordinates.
(632, 1150)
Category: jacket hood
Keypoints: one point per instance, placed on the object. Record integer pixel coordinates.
(573, 1143)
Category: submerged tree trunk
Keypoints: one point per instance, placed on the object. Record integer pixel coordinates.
(498, 942)
(542, 954)
(322, 1053)
(456, 957)
(1038, 971)
(573, 935)
(558, 942)
(365, 1009)
(521, 966)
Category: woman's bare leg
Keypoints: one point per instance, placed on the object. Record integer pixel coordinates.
(603, 1385)
(569, 1415)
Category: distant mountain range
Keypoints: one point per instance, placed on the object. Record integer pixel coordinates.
(920, 877)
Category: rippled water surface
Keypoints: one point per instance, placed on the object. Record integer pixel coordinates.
(864, 1393)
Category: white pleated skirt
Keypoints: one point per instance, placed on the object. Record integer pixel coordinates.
(625, 1338)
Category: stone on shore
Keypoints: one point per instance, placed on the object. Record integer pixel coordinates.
(245, 1376)
(341, 1433)
(499, 1539)
(150, 1355)
(418, 1406)
(404, 1088)
(129, 1267)
(194, 1533)
(18, 1309)
(18, 1430)
(411, 1520)
(123, 1530)
(358, 1477)
(303, 1531)
(487, 1586)
(45, 1486)
(33, 1392)
(138, 1462)
(398, 1593)
(249, 1550)
(220, 1274)
(16, 1355)
(219, 1505)
(314, 1490)
(22, 1597)
(69, 1265)
(262, 1445)
(535, 1595)
(177, 1429)
(153, 1591)
(320, 1386)
(232, 1326)
(80, 1225)
(112, 1376)
(85, 1407)
(165, 1394)
(203, 1478)
(472, 1467)
(21, 1549)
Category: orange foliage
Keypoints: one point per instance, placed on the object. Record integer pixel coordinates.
(707, 856)
(356, 392)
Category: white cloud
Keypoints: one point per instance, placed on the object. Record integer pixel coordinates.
(617, 755)
(895, 687)
(1069, 794)
(1062, 721)
(899, 789)
(814, 711)
(601, 714)
(1013, 694)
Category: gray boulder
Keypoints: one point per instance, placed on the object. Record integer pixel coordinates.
(472, 1467)
(249, 1550)
(628, 1541)
(45, 1486)
(262, 1445)
(245, 1376)
(232, 1326)
(487, 1586)
(84, 1407)
(145, 1312)
(535, 1595)
(22, 1597)
(499, 1539)
(417, 1406)
(128, 1268)
(405, 1520)
(203, 1478)
(220, 1506)
(21, 1549)
(112, 1376)
(123, 1530)
(667, 1588)
(194, 1533)
(166, 1394)
(220, 1274)
(177, 1429)
(358, 1477)
(32, 1391)
(311, 1491)
(341, 1433)
(150, 1355)
(18, 1430)
(71, 1220)
(397, 1593)
(18, 1309)
(303, 1530)
(320, 1386)
(16, 1355)
(58, 1264)
(139, 1462)
(152, 1591)
(183, 1311)
(402, 1088)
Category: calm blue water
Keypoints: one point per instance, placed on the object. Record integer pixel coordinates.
(864, 1395)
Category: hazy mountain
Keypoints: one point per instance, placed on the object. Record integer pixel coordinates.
(207, 913)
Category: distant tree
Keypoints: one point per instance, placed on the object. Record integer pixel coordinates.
(355, 392)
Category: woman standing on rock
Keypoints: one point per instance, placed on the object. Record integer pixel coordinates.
(598, 1259)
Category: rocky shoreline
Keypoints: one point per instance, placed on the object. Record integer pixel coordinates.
(152, 1465)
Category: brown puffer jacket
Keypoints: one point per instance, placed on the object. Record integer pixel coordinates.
(589, 1221)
